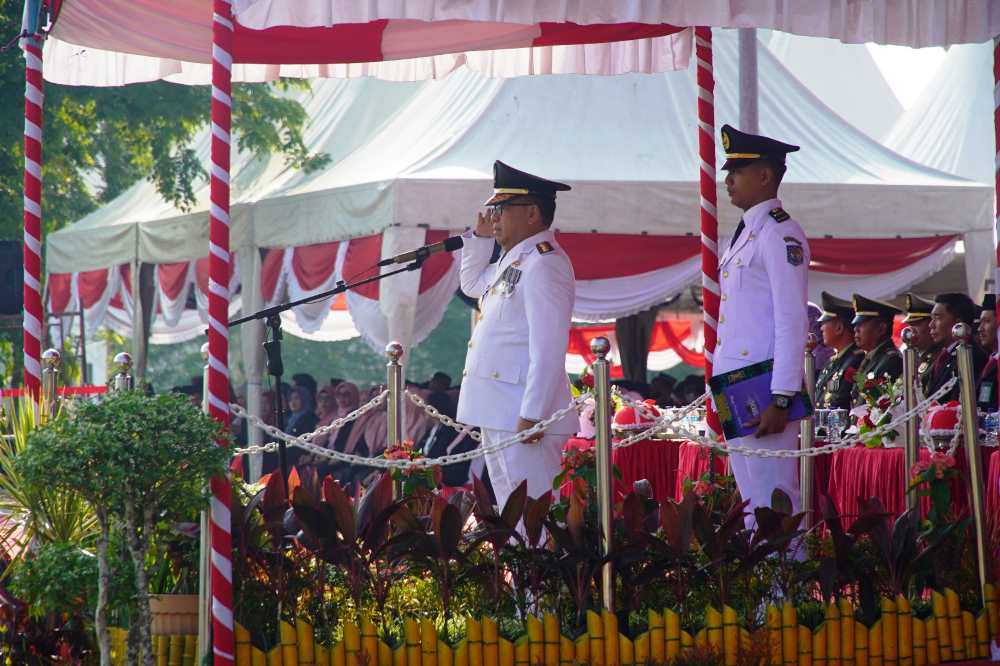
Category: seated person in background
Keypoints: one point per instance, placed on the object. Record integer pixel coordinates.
(950, 309)
(326, 405)
(439, 383)
(306, 380)
(918, 318)
(661, 389)
(302, 414)
(443, 440)
(690, 389)
(873, 335)
(350, 438)
(835, 380)
(986, 391)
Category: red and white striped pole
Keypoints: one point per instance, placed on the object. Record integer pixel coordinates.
(33, 96)
(709, 219)
(219, 268)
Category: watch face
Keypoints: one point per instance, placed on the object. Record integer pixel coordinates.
(781, 401)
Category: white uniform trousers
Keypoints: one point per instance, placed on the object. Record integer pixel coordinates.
(757, 478)
(539, 463)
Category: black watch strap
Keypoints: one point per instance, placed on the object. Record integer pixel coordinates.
(781, 401)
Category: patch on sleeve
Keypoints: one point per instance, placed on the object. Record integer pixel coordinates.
(794, 254)
(793, 239)
(779, 214)
(544, 247)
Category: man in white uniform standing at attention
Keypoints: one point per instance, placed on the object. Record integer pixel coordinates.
(515, 373)
(763, 314)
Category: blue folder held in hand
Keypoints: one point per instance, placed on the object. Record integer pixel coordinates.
(741, 396)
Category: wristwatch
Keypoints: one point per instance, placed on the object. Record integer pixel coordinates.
(781, 401)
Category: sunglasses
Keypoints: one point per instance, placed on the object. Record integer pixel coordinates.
(499, 208)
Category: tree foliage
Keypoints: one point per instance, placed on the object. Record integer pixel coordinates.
(99, 141)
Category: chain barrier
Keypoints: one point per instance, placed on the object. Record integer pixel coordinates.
(677, 415)
(665, 426)
(402, 464)
(239, 412)
(443, 418)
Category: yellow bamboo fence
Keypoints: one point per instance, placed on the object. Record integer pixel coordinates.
(898, 638)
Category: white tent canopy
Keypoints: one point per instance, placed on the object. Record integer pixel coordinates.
(948, 126)
(420, 155)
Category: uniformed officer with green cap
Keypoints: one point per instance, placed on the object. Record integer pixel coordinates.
(835, 381)
(918, 318)
(873, 335)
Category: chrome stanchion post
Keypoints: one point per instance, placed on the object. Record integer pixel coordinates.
(601, 369)
(123, 378)
(807, 436)
(50, 378)
(911, 442)
(970, 431)
(394, 402)
(204, 597)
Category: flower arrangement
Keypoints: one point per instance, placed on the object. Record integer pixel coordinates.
(883, 402)
(932, 478)
(412, 478)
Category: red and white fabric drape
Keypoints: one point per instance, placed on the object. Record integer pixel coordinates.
(674, 341)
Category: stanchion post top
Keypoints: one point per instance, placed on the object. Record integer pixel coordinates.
(811, 342)
(204, 352)
(394, 351)
(962, 331)
(51, 358)
(123, 359)
(600, 346)
(907, 335)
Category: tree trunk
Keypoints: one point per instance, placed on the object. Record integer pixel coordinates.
(137, 537)
(103, 583)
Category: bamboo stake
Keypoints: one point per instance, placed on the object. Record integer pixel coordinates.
(289, 653)
(274, 656)
(687, 640)
(890, 632)
(161, 649)
(595, 629)
(642, 649)
(398, 656)
(567, 651)
(474, 637)
(943, 626)
(369, 641)
(411, 639)
(876, 646)
(257, 657)
(774, 634)
(304, 639)
(582, 649)
(819, 646)
(969, 634)
(321, 654)
(789, 635)
(657, 637)
(491, 646)
(338, 654)
(904, 620)
(672, 635)
(701, 638)
(991, 608)
(933, 644)
(505, 652)
(713, 629)
(445, 655)
(805, 646)
(982, 635)
(428, 643)
(536, 641)
(832, 615)
(550, 638)
(919, 641)
(190, 649)
(385, 655)
(861, 644)
(846, 632)
(242, 645)
(352, 643)
(626, 651)
(462, 652)
(730, 635)
(955, 625)
(176, 650)
(610, 622)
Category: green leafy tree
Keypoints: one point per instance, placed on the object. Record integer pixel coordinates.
(138, 460)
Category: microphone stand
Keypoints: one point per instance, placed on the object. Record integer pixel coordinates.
(272, 344)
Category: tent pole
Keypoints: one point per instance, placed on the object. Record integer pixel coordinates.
(34, 87)
(748, 80)
(251, 342)
(219, 268)
(709, 209)
(995, 645)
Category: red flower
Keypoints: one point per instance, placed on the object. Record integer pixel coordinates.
(849, 375)
(884, 403)
(587, 380)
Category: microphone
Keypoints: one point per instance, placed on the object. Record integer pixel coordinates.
(447, 245)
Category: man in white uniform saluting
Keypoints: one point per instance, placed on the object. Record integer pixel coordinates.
(763, 313)
(515, 372)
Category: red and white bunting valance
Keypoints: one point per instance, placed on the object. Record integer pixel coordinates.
(674, 341)
(617, 275)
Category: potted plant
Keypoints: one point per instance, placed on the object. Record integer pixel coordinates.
(140, 461)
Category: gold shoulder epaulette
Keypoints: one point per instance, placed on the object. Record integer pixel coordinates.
(544, 247)
(779, 214)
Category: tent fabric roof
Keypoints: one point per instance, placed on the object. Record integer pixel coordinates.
(420, 155)
(947, 127)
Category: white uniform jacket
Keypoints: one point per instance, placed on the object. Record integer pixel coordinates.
(763, 278)
(516, 363)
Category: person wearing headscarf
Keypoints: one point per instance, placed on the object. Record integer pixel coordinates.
(349, 438)
(302, 417)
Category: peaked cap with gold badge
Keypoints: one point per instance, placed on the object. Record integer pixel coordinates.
(509, 183)
(834, 307)
(869, 308)
(743, 149)
(917, 309)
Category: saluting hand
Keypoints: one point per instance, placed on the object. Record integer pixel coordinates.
(771, 422)
(484, 224)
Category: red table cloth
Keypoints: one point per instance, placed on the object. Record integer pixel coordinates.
(862, 472)
(653, 460)
(993, 486)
